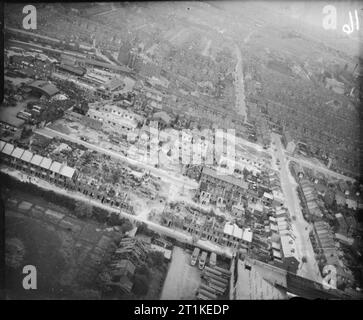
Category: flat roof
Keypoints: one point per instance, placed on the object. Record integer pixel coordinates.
(27, 156)
(67, 171)
(8, 149)
(46, 163)
(288, 248)
(55, 167)
(37, 159)
(233, 230)
(247, 235)
(276, 253)
(276, 245)
(17, 153)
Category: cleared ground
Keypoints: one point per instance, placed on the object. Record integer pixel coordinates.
(182, 280)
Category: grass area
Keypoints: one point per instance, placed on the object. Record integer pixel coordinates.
(67, 252)
(41, 249)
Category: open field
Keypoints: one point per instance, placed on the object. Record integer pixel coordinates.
(66, 252)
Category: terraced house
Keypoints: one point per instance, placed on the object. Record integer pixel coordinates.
(38, 166)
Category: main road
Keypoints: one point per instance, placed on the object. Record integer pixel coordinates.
(300, 227)
(239, 85)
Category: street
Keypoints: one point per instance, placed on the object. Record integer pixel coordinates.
(301, 228)
(186, 182)
(239, 85)
(175, 234)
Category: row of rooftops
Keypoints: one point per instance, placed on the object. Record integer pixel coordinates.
(280, 224)
(233, 230)
(229, 179)
(36, 160)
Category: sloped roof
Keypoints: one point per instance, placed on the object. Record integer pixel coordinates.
(46, 163)
(17, 153)
(8, 149)
(67, 171)
(27, 156)
(36, 160)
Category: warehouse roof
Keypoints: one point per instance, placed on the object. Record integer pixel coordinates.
(44, 86)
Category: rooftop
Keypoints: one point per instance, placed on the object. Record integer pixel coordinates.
(2, 144)
(67, 171)
(288, 246)
(229, 179)
(27, 156)
(44, 86)
(17, 153)
(46, 163)
(233, 230)
(8, 149)
(55, 167)
(36, 160)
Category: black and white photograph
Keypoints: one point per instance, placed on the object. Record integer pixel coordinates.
(196, 151)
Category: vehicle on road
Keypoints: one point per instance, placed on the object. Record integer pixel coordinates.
(213, 259)
(194, 257)
(202, 260)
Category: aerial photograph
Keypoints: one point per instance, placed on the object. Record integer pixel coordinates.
(182, 150)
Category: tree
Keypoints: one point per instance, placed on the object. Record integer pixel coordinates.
(157, 258)
(143, 270)
(101, 215)
(83, 209)
(116, 176)
(114, 220)
(126, 226)
(141, 285)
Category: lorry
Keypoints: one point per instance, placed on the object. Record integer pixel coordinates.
(194, 257)
(202, 260)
